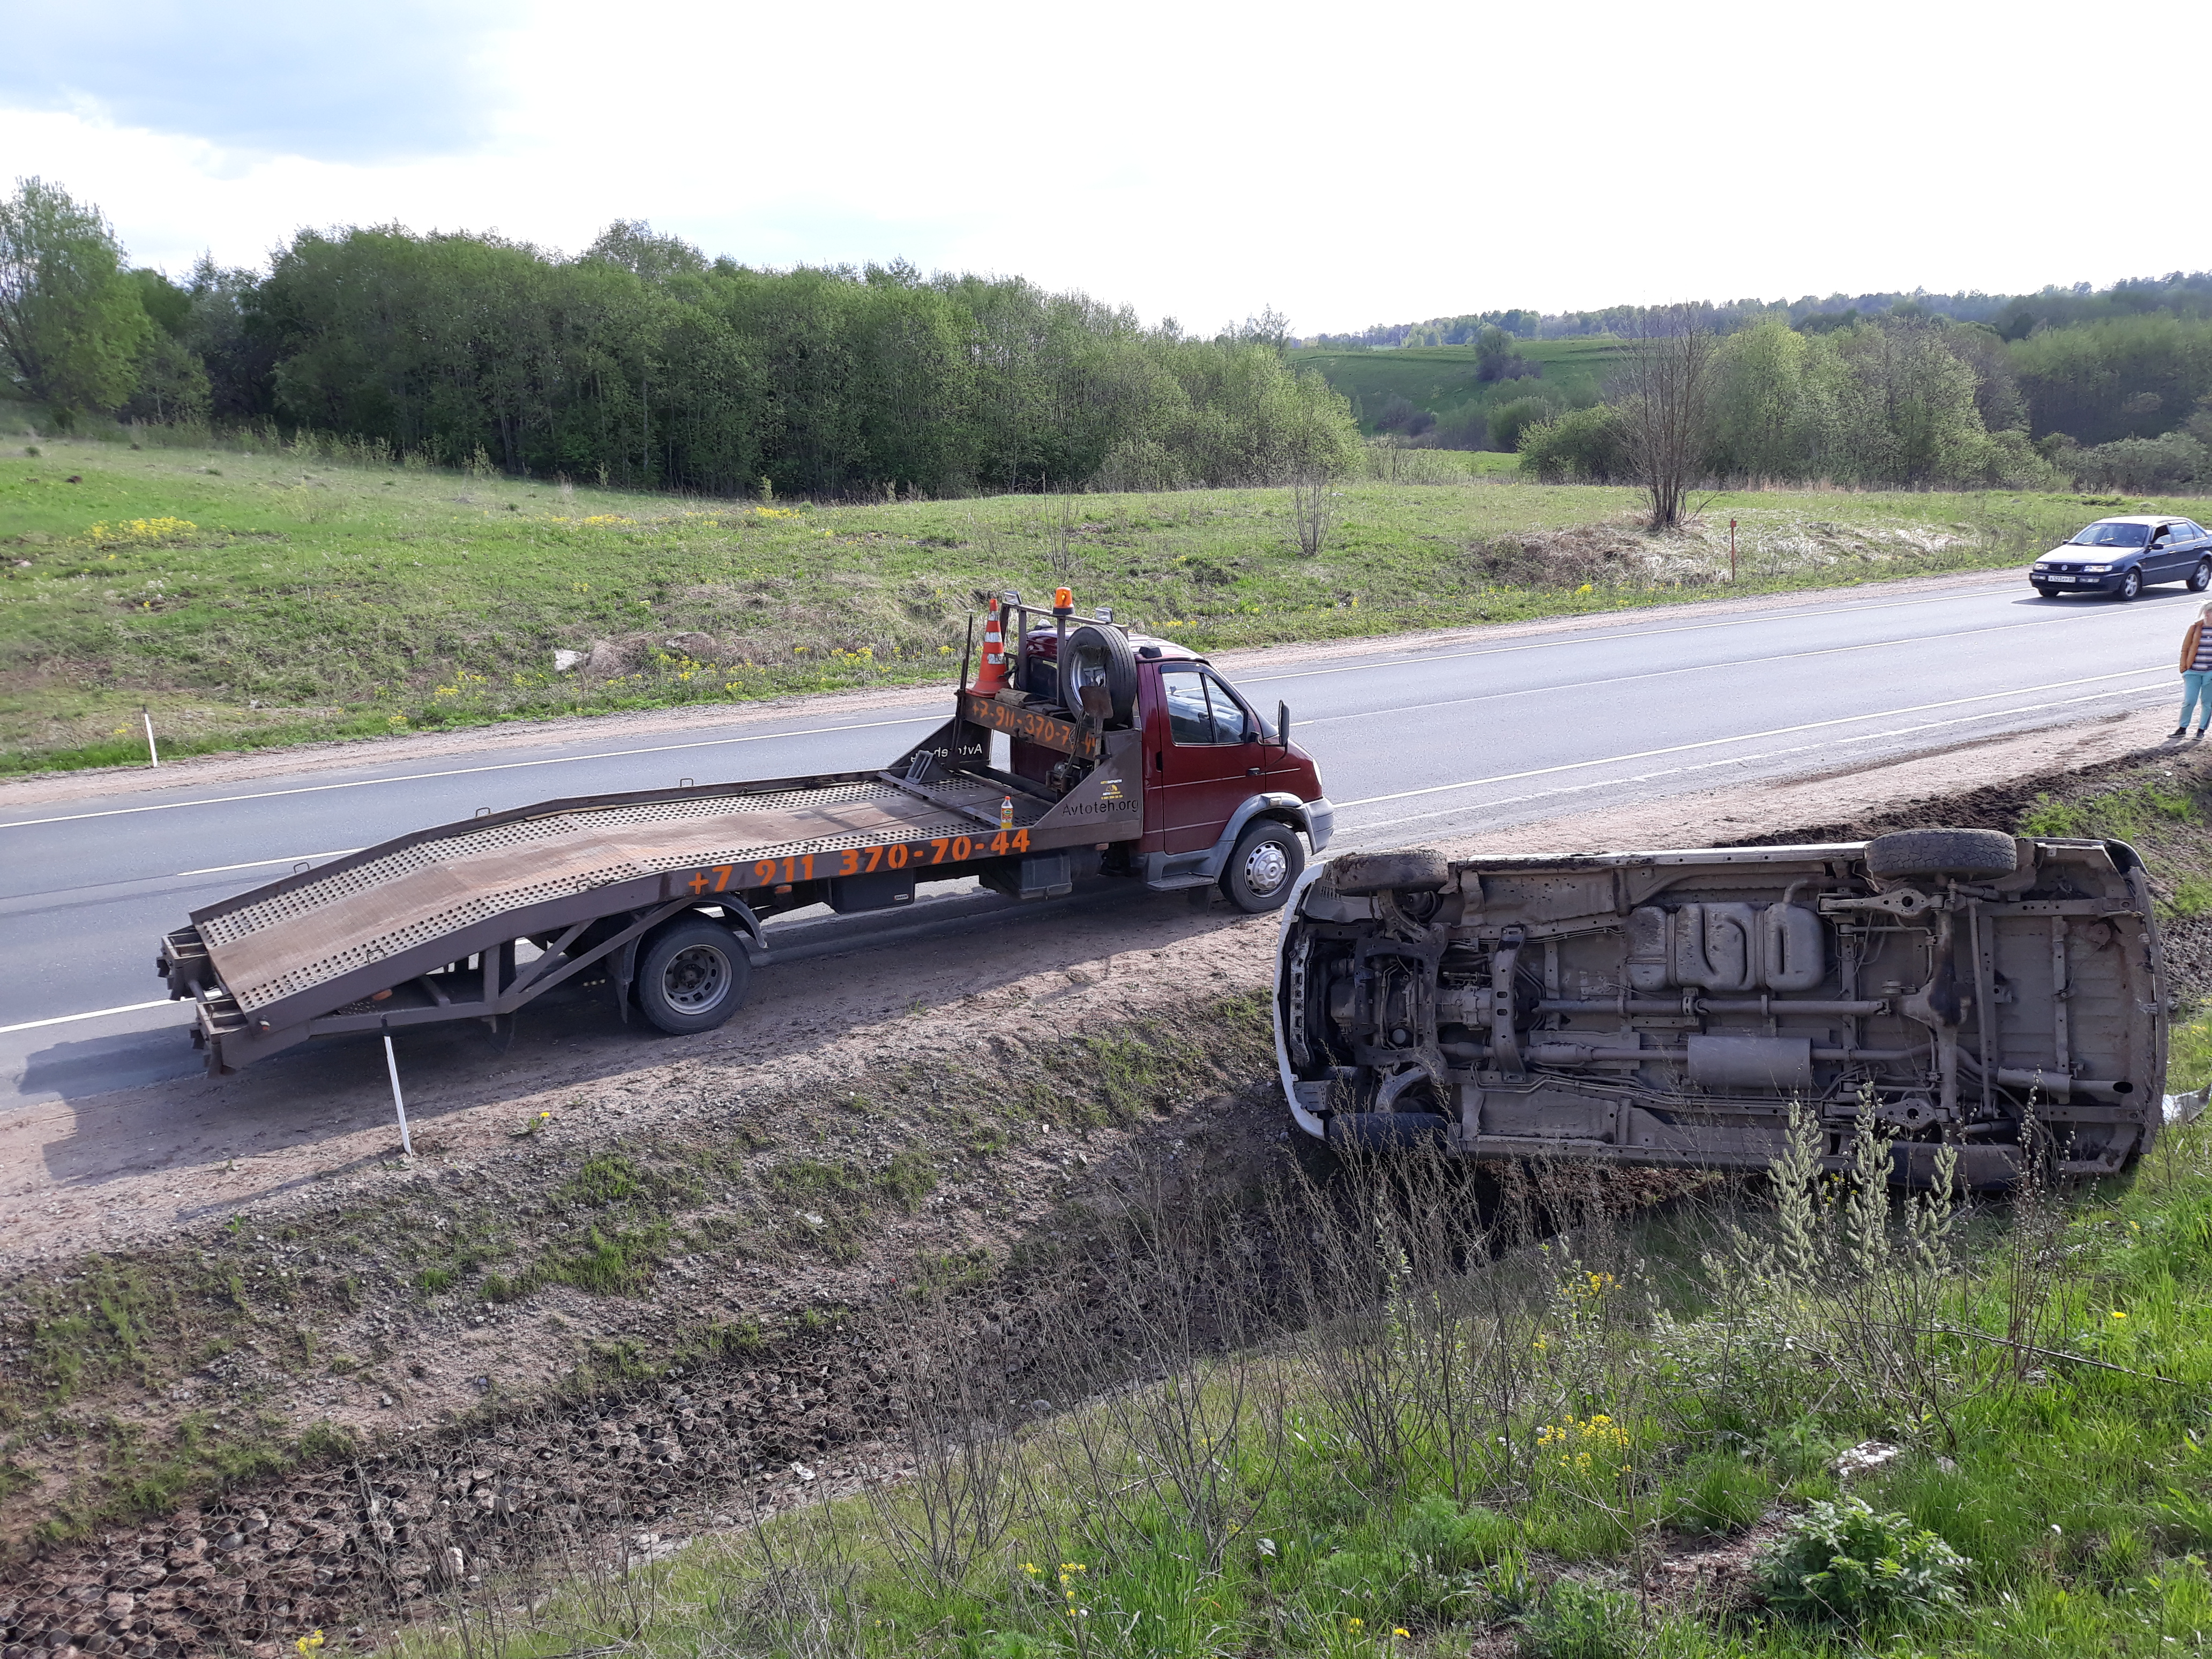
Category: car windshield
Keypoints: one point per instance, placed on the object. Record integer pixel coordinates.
(2112, 535)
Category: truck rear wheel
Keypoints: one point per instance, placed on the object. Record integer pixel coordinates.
(692, 976)
(1264, 868)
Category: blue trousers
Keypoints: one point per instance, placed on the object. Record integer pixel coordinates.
(2196, 693)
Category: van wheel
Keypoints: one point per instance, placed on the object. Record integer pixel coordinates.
(692, 976)
(1264, 868)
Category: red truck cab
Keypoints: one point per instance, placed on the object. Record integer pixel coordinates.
(1228, 799)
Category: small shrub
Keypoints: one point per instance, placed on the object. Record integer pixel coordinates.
(1576, 1620)
(618, 1263)
(2189, 1055)
(2193, 896)
(1842, 1563)
(1509, 420)
(2059, 819)
(609, 1178)
(1716, 1495)
(1437, 1530)
(1583, 445)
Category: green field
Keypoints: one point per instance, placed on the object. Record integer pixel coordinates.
(1442, 378)
(253, 599)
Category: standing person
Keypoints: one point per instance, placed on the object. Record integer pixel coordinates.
(2197, 673)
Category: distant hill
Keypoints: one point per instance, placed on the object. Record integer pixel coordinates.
(2187, 294)
(1440, 394)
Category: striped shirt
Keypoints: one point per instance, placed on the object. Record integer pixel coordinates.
(2202, 662)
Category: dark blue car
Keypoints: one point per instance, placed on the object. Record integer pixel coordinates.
(2123, 556)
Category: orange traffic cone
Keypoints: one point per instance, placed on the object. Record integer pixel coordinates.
(993, 677)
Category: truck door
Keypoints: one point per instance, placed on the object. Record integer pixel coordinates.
(1204, 755)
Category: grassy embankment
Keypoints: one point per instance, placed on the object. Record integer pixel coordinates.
(1591, 1451)
(262, 599)
(129, 1379)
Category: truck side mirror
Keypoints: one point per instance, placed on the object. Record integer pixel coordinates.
(1283, 724)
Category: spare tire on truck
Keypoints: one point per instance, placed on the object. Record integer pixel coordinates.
(1942, 852)
(1420, 871)
(1098, 673)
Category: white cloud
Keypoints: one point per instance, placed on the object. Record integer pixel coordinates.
(1202, 161)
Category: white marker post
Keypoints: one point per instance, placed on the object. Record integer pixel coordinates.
(153, 758)
(398, 1103)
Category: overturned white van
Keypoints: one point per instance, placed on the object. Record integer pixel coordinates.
(1962, 986)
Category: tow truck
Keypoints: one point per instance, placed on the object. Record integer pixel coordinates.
(1127, 752)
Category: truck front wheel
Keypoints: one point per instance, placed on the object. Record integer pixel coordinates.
(1264, 868)
(692, 976)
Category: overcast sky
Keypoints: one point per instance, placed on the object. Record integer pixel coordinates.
(1346, 165)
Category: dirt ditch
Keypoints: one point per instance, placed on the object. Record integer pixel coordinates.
(347, 1398)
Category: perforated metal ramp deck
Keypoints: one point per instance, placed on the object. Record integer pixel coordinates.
(375, 906)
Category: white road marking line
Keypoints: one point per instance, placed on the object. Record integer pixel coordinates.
(467, 771)
(1663, 673)
(65, 1019)
(1414, 659)
(257, 864)
(1742, 737)
(1736, 760)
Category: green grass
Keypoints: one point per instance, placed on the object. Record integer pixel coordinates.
(296, 597)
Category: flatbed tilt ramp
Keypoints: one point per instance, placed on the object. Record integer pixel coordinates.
(425, 927)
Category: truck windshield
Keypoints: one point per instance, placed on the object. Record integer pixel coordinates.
(2112, 535)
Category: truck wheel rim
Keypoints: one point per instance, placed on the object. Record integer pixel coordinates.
(1265, 867)
(695, 979)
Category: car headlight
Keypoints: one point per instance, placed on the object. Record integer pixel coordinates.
(2043, 564)
(2097, 570)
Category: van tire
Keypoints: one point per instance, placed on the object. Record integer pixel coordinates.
(1942, 852)
(1380, 873)
(1264, 868)
(1099, 656)
(691, 977)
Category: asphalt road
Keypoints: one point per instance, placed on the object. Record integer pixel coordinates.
(1413, 742)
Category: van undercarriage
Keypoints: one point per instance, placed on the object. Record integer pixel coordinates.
(1957, 988)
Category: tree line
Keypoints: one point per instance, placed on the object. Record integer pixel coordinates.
(643, 363)
(1910, 400)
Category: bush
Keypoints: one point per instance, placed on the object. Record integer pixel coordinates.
(1841, 1563)
(1436, 1529)
(1576, 1620)
(1584, 445)
(1400, 415)
(1716, 1495)
(2142, 463)
(1509, 420)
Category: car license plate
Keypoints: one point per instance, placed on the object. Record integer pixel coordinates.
(2058, 581)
